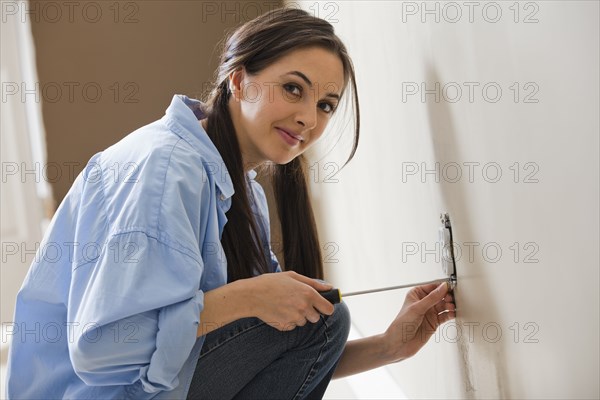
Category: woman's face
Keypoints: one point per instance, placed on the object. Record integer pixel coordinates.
(283, 110)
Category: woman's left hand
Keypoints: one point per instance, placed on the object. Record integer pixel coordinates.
(425, 309)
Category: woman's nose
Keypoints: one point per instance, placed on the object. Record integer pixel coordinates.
(307, 115)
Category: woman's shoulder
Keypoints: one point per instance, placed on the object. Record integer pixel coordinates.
(149, 154)
(149, 170)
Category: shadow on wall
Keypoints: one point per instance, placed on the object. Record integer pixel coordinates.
(454, 197)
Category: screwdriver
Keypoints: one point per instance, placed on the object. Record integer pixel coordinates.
(335, 296)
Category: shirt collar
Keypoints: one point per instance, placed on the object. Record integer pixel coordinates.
(182, 117)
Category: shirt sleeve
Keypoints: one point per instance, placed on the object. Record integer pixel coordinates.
(135, 317)
(134, 310)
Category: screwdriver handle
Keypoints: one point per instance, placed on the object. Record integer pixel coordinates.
(334, 295)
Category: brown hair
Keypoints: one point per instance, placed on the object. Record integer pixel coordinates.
(254, 46)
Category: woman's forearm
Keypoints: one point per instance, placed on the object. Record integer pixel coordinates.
(361, 355)
(223, 305)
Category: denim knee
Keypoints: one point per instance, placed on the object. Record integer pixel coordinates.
(339, 324)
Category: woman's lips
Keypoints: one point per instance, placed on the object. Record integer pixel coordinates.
(289, 139)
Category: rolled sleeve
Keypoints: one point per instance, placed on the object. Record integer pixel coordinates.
(174, 342)
(135, 314)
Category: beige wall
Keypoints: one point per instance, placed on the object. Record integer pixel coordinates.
(139, 54)
(528, 316)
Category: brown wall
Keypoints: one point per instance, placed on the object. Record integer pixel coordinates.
(139, 54)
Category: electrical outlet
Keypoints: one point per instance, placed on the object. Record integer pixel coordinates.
(445, 238)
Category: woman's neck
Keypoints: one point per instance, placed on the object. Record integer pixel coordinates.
(247, 167)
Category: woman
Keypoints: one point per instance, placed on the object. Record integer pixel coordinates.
(167, 287)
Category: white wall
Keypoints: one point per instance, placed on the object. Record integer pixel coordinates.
(528, 318)
(24, 192)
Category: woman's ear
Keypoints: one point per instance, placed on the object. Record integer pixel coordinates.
(236, 82)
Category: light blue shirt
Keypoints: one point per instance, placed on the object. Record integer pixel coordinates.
(110, 306)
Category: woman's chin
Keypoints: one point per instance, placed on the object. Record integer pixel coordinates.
(282, 160)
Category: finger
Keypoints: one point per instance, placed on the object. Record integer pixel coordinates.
(433, 298)
(448, 298)
(448, 307)
(313, 317)
(446, 316)
(423, 290)
(283, 327)
(318, 285)
(289, 327)
(321, 304)
(440, 307)
(443, 304)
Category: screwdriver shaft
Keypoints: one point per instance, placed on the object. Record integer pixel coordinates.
(449, 280)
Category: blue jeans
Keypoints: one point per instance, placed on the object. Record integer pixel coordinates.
(248, 359)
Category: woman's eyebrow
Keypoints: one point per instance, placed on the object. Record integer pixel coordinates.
(309, 83)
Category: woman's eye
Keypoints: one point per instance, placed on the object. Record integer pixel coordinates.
(297, 91)
(291, 87)
(329, 110)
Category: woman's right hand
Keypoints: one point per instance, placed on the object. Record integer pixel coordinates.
(285, 300)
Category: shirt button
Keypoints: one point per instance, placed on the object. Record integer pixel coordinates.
(222, 197)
